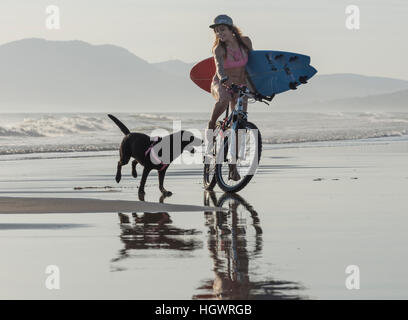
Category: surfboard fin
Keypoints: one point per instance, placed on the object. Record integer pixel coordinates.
(303, 79)
(293, 85)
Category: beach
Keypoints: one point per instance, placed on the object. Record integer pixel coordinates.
(311, 210)
(85, 103)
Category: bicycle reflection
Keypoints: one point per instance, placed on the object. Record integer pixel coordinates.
(235, 239)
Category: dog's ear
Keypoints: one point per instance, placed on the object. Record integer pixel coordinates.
(192, 139)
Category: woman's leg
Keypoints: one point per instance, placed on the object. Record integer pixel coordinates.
(219, 108)
(233, 103)
(223, 97)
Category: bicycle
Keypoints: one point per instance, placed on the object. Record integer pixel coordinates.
(223, 148)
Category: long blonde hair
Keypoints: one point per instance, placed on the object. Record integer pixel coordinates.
(238, 35)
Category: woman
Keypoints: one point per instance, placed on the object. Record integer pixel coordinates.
(230, 52)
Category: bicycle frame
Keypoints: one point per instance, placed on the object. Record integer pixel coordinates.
(231, 120)
(235, 112)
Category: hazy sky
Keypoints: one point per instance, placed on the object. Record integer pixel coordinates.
(158, 30)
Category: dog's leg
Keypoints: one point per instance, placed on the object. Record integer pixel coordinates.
(121, 162)
(134, 173)
(123, 218)
(146, 172)
(119, 172)
(161, 180)
(161, 199)
(141, 196)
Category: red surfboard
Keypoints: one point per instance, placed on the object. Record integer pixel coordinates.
(202, 73)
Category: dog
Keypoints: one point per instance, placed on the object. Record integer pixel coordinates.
(143, 149)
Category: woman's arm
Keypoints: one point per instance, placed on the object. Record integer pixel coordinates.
(248, 42)
(219, 62)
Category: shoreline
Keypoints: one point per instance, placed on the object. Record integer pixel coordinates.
(266, 145)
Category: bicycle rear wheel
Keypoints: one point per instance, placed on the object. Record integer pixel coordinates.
(246, 164)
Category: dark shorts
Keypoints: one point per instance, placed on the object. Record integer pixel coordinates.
(221, 93)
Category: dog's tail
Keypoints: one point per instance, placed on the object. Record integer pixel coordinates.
(121, 126)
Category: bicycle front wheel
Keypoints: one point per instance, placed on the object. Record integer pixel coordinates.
(209, 180)
(249, 154)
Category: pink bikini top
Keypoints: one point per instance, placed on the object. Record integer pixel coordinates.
(239, 59)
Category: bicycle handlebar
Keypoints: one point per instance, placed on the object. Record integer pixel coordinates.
(257, 96)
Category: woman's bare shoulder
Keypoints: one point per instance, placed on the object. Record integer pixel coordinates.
(247, 42)
(218, 50)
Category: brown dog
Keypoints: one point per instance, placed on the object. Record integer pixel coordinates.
(140, 146)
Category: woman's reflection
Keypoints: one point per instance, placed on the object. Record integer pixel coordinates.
(235, 239)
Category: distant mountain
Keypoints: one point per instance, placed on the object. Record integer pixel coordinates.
(396, 102)
(340, 86)
(174, 67)
(41, 75)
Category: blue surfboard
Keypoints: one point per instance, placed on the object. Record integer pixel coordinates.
(274, 72)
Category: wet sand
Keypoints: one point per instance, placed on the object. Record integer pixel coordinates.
(13, 205)
(308, 214)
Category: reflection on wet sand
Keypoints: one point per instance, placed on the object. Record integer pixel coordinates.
(235, 240)
(154, 231)
(41, 226)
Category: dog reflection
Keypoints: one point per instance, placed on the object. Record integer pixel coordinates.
(154, 231)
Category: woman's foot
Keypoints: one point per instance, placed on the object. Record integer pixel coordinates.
(233, 173)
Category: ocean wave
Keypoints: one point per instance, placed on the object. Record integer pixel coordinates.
(334, 114)
(153, 116)
(19, 132)
(266, 139)
(27, 149)
(52, 126)
(383, 117)
(333, 136)
(64, 133)
(149, 129)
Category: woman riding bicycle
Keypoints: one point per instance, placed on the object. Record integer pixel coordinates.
(230, 52)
